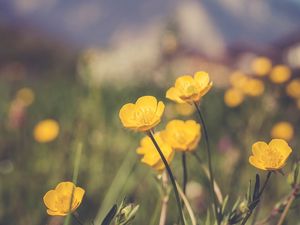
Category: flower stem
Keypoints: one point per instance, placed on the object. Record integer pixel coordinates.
(287, 207)
(185, 173)
(164, 200)
(150, 134)
(249, 213)
(76, 217)
(211, 175)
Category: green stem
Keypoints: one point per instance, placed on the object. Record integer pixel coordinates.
(211, 175)
(150, 134)
(185, 173)
(249, 213)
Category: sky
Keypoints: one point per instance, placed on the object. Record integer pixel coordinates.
(97, 22)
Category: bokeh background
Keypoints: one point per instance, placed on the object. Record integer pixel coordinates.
(77, 62)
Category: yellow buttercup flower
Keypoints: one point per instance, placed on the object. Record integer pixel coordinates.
(238, 80)
(283, 130)
(261, 66)
(272, 156)
(233, 97)
(150, 155)
(182, 135)
(293, 88)
(184, 109)
(46, 130)
(145, 114)
(58, 201)
(26, 95)
(190, 89)
(280, 74)
(254, 87)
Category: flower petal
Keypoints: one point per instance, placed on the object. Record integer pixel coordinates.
(173, 94)
(160, 109)
(55, 213)
(253, 161)
(126, 115)
(65, 188)
(49, 199)
(282, 146)
(259, 148)
(202, 78)
(147, 102)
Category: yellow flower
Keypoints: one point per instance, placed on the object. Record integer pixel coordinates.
(261, 66)
(184, 109)
(233, 97)
(283, 130)
(26, 95)
(293, 88)
(182, 135)
(270, 156)
(145, 114)
(190, 89)
(238, 80)
(280, 74)
(58, 201)
(150, 155)
(46, 130)
(254, 87)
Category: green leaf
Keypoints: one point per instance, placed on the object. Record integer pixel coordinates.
(248, 195)
(224, 204)
(256, 188)
(110, 215)
(207, 221)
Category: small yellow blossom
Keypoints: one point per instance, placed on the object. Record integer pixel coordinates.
(150, 155)
(254, 88)
(233, 97)
(182, 135)
(280, 74)
(238, 80)
(26, 95)
(261, 66)
(283, 130)
(190, 89)
(272, 156)
(184, 109)
(145, 114)
(58, 201)
(46, 130)
(293, 88)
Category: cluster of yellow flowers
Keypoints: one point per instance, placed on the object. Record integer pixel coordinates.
(157, 149)
(242, 85)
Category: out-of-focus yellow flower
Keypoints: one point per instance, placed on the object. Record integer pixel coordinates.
(261, 66)
(182, 135)
(283, 130)
(270, 156)
(184, 109)
(254, 87)
(150, 155)
(293, 88)
(233, 97)
(58, 201)
(26, 95)
(46, 130)
(190, 89)
(238, 80)
(145, 114)
(280, 74)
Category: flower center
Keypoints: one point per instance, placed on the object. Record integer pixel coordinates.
(144, 115)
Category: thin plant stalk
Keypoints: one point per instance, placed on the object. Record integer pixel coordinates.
(217, 189)
(184, 172)
(164, 200)
(150, 134)
(244, 221)
(287, 207)
(187, 205)
(211, 175)
(75, 177)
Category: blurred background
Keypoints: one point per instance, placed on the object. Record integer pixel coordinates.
(67, 67)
